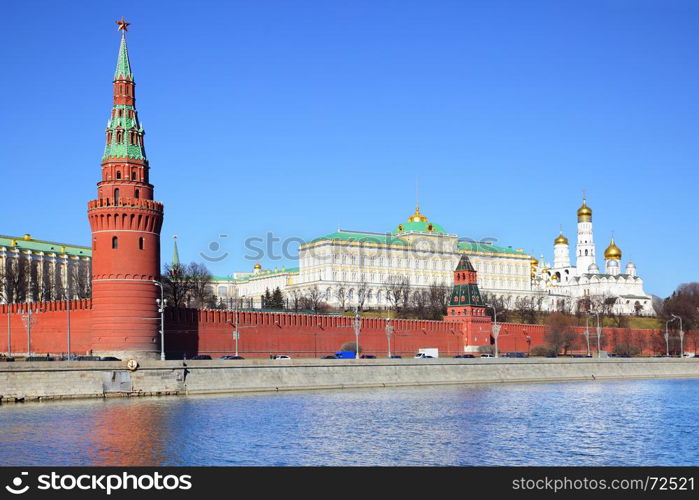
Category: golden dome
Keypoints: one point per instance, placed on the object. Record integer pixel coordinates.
(417, 216)
(612, 252)
(534, 261)
(584, 211)
(560, 240)
(258, 266)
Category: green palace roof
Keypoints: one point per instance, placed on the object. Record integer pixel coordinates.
(350, 236)
(419, 227)
(26, 242)
(482, 246)
(261, 274)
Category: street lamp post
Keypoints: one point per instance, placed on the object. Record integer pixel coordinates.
(357, 326)
(587, 334)
(599, 335)
(667, 338)
(389, 332)
(9, 329)
(236, 332)
(495, 329)
(68, 318)
(161, 309)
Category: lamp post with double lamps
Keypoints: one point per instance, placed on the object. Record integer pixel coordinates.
(357, 326)
(495, 329)
(161, 302)
(389, 332)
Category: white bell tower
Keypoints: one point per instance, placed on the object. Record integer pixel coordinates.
(585, 248)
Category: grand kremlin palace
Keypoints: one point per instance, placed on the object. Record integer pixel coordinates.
(343, 264)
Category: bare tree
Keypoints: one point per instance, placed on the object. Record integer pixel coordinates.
(341, 296)
(420, 303)
(313, 298)
(201, 293)
(560, 334)
(362, 292)
(526, 308)
(439, 295)
(397, 293)
(177, 284)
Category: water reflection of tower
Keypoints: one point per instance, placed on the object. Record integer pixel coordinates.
(117, 441)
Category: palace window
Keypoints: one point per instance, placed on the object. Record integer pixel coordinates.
(118, 174)
(136, 194)
(115, 242)
(116, 191)
(140, 243)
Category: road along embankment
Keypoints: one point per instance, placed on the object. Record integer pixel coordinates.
(40, 381)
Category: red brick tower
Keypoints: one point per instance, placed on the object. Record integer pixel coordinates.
(125, 223)
(466, 307)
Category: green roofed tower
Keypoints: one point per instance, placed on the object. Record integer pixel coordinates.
(465, 291)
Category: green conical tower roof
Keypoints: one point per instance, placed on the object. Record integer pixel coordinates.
(464, 264)
(123, 67)
(175, 254)
(124, 131)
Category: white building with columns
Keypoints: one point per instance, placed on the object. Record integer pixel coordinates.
(357, 266)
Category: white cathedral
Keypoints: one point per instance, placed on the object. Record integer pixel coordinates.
(341, 264)
(566, 284)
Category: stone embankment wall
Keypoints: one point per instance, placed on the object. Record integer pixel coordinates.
(59, 380)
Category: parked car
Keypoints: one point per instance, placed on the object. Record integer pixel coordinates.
(281, 356)
(464, 356)
(345, 355)
(230, 356)
(200, 357)
(396, 356)
(487, 356)
(109, 358)
(422, 355)
(329, 357)
(367, 356)
(514, 354)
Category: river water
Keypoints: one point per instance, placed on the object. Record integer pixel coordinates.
(639, 422)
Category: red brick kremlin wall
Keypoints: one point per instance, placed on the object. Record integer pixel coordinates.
(49, 327)
(298, 335)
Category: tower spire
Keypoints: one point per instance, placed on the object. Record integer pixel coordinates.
(123, 67)
(175, 252)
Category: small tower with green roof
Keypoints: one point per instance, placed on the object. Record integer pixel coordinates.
(466, 307)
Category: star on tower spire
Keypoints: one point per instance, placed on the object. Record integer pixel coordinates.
(123, 25)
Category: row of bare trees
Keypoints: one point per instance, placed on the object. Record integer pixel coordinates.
(23, 279)
(188, 285)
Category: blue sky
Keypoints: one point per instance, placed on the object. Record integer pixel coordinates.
(296, 118)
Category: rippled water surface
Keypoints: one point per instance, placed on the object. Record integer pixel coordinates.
(649, 422)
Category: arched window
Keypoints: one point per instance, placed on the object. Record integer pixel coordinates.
(586, 253)
(115, 242)
(118, 174)
(133, 175)
(136, 194)
(140, 243)
(116, 196)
